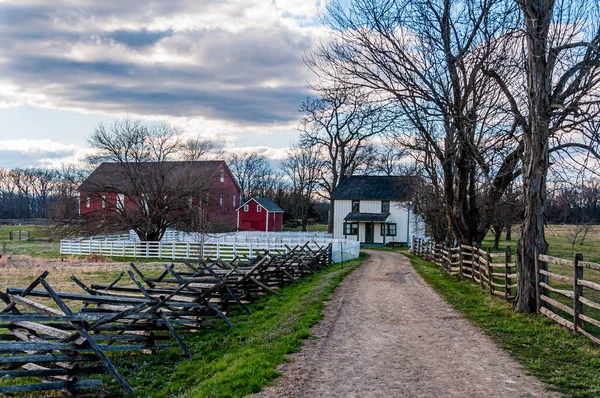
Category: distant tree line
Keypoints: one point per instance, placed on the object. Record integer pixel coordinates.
(34, 192)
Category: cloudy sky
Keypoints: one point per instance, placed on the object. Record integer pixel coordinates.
(230, 70)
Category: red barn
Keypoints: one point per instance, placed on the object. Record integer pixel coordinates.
(260, 214)
(131, 190)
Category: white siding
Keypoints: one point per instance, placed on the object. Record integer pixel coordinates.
(341, 208)
(399, 215)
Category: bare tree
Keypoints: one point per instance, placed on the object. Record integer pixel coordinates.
(427, 60)
(389, 157)
(195, 149)
(252, 172)
(137, 168)
(559, 111)
(303, 168)
(340, 125)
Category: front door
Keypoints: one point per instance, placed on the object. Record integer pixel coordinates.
(369, 232)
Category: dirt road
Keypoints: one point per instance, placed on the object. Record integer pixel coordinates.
(388, 334)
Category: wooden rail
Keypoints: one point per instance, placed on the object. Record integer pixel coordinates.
(494, 272)
(576, 301)
(56, 347)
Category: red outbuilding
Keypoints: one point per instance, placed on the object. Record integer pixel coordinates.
(260, 214)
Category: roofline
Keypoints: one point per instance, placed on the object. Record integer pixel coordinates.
(248, 201)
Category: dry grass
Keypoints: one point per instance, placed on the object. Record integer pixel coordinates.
(21, 270)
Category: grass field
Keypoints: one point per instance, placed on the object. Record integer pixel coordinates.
(227, 362)
(569, 363)
(309, 228)
(559, 242)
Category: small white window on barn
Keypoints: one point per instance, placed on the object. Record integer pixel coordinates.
(233, 200)
(246, 208)
(221, 200)
(120, 201)
(88, 201)
(222, 176)
(258, 208)
(103, 201)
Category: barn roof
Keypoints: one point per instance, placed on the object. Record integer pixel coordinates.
(373, 188)
(266, 204)
(122, 178)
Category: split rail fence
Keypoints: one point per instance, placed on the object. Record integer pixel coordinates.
(45, 344)
(494, 272)
(567, 296)
(564, 294)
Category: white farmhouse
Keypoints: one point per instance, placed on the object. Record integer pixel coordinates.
(374, 209)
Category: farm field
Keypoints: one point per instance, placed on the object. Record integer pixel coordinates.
(559, 242)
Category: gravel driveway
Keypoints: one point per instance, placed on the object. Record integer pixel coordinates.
(386, 333)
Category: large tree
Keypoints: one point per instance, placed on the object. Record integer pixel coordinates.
(252, 172)
(341, 125)
(137, 165)
(557, 109)
(426, 59)
(303, 168)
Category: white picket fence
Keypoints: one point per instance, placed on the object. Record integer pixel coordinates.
(342, 249)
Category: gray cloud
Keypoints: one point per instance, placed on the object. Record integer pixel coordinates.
(253, 75)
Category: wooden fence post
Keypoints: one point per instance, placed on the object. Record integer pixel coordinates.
(507, 281)
(577, 292)
(460, 261)
(472, 263)
(538, 302)
(489, 269)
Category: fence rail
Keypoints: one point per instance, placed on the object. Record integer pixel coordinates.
(341, 249)
(494, 272)
(569, 300)
(44, 348)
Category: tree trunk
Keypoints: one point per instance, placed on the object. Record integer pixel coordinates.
(497, 235)
(535, 159)
(508, 232)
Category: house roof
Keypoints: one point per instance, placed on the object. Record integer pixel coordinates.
(373, 188)
(362, 217)
(265, 203)
(126, 178)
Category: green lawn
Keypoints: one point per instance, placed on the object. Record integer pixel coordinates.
(32, 248)
(309, 228)
(569, 363)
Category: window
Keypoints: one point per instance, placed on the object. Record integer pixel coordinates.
(221, 200)
(222, 176)
(103, 201)
(388, 229)
(88, 202)
(351, 228)
(385, 206)
(246, 208)
(120, 201)
(144, 202)
(258, 208)
(356, 206)
(191, 201)
(233, 200)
